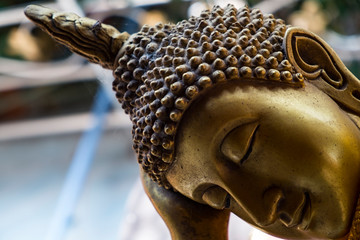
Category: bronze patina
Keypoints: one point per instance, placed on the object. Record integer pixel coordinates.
(233, 111)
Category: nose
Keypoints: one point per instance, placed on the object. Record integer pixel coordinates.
(290, 210)
(272, 197)
(261, 207)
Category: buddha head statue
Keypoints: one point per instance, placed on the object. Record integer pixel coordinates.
(236, 110)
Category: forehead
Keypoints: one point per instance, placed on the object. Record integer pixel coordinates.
(236, 103)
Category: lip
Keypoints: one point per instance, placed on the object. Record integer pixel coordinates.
(301, 217)
(305, 214)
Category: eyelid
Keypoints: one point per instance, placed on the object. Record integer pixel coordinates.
(237, 144)
(250, 145)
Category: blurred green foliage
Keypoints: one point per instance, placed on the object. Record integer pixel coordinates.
(343, 16)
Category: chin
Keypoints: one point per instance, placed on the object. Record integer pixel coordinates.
(294, 233)
(315, 231)
(339, 233)
(336, 228)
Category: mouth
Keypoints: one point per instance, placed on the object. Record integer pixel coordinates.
(305, 214)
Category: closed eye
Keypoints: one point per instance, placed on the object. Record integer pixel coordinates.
(250, 146)
(238, 143)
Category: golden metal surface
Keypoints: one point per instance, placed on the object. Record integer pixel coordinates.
(233, 111)
(97, 42)
(303, 158)
(185, 218)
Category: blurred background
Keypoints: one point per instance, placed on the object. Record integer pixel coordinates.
(67, 170)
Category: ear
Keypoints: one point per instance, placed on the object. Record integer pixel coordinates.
(99, 43)
(320, 65)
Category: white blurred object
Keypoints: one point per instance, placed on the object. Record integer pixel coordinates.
(271, 6)
(258, 235)
(347, 47)
(196, 8)
(141, 221)
(70, 6)
(236, 3)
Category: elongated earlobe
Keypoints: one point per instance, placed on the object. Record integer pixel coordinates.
(318, 62)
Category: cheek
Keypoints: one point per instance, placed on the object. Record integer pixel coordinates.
(193, 174)
(287, 154)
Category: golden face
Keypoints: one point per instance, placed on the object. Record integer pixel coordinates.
(285, 160)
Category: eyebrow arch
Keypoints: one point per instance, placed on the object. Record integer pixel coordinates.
(250, 148)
